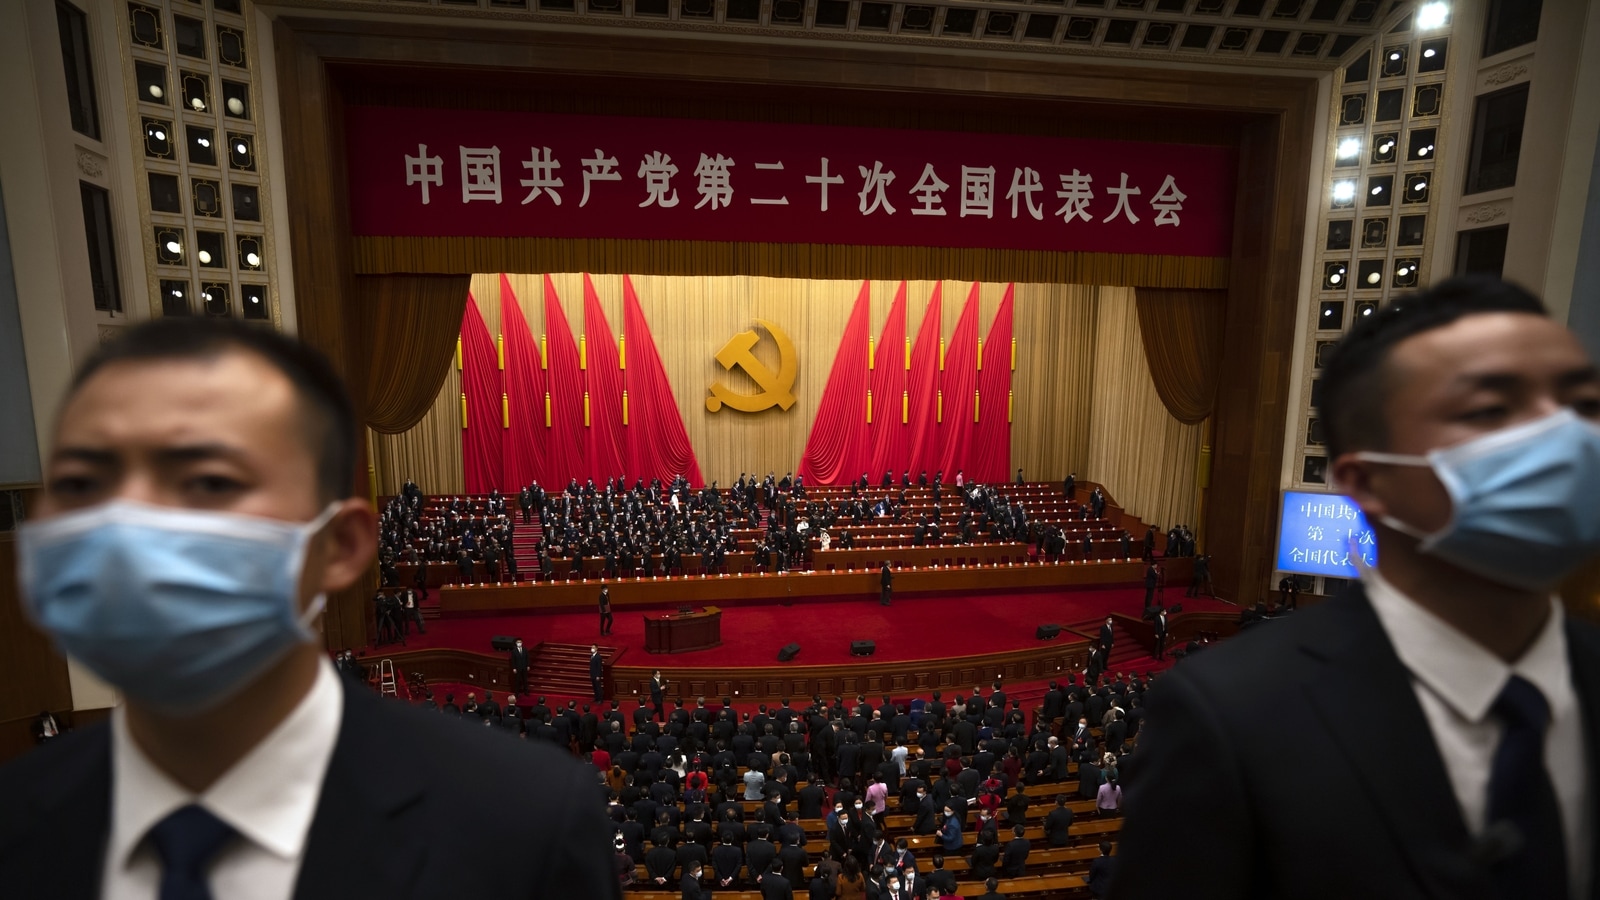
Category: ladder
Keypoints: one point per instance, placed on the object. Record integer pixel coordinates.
(386, 683)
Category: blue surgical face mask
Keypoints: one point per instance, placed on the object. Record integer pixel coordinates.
(179, 609)
(1525, 501)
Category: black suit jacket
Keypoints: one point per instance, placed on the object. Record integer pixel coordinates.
(403, 803)
(1386, 821)
(1100, 874)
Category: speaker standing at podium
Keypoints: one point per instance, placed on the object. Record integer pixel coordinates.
(887, 581)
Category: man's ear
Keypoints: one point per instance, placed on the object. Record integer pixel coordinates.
(349, 543)
(1352, 477)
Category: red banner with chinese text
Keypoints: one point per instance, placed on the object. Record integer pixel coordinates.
(481, 173)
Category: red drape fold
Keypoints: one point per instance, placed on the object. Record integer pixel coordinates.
(959, 381)
(841, 441)
(657, 443)
(481, 439)
(922, 386)
(890, 438)
(603, 380)
(524, 381)
(566, 451)
(990, 457)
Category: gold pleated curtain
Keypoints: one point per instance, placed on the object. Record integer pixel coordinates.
(1137, 448)
(409, 324)
(1182, 335)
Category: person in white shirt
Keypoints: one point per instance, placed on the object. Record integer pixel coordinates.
(197, 511)
(1433, 731)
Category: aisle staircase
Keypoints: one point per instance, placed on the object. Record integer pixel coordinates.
(525, 547)
(1127, 653)
(563, 669)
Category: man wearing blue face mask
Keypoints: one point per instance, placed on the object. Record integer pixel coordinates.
(196, 512)
(1434, 732)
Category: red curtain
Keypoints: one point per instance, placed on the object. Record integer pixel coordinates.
(603, 380)
(565, 451)
(481, 439)
(922, 386)
(990, 457)
(524, 375)
(841, 441)
(656, 441)
(890, 438)
(959, 382)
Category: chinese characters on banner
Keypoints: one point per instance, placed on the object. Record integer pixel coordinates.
(1322, 534)
(426, 172)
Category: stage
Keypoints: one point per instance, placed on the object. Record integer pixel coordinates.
(916, 627)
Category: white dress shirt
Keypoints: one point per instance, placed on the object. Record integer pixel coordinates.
(269, 797)
(1457, 681)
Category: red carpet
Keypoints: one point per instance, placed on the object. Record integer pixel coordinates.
(913, 628)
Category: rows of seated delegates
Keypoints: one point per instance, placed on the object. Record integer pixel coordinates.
(921, 798)
(757, 525)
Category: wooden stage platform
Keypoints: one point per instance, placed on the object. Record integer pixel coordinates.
(1009, 570)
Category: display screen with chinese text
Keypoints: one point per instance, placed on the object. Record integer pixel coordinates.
(1319, 534)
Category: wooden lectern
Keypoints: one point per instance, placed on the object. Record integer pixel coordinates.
(682, 632)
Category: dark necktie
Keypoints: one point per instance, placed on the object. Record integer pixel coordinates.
(188, 841)
(1532, 860)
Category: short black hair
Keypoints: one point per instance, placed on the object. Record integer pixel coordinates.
(1353, 386)
(327, 411)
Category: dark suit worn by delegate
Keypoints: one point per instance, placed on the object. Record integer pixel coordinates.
(1340, 792)
(404, 802)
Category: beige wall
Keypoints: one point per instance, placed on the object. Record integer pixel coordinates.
(1078, 371)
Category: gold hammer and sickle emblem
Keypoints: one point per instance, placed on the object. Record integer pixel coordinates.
(776, 387)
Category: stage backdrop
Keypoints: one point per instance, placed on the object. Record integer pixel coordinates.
(1083, 397)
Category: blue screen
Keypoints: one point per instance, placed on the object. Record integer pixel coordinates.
(1315, 535)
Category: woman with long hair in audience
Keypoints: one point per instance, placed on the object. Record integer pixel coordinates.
(851, 884)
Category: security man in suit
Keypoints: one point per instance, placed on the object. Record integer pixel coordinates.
(1160, 624)
(1463, 421)
(658, 686)
(202, 469)
(596, 672)
(605, 610)
(519, 666)
(886, 581)
(1107, 635)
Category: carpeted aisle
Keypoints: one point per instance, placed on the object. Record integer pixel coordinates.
(924, 627)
